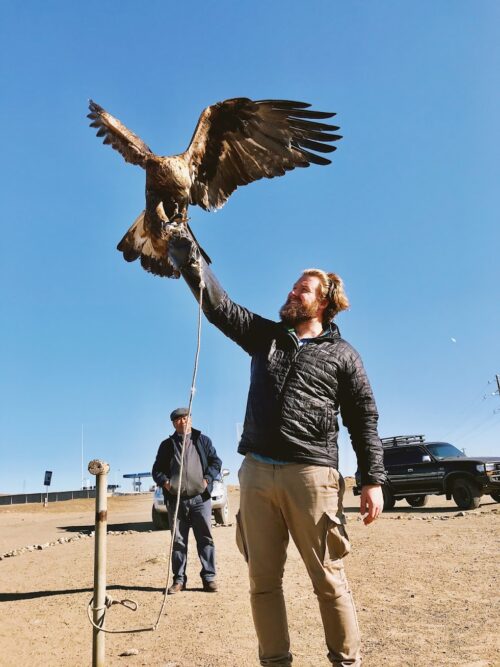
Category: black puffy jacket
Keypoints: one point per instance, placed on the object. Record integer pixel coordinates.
(295, 392)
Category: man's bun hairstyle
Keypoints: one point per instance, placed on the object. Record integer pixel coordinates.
(332, 289)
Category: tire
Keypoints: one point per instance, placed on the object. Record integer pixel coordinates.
(389, 500)
(417, 501)
(466, 495)
(221, 515)
(496, 496)
(160, 520)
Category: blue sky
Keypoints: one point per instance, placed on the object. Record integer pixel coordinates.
(407, 214)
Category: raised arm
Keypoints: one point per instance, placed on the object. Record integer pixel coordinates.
(238, 323)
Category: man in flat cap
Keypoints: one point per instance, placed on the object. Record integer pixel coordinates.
(201, 466)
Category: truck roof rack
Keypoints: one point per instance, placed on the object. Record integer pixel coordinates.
(401, 440)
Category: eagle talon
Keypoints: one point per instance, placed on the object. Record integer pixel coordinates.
(176, 224)
(173, 229)
(165, 227)
(178, 217)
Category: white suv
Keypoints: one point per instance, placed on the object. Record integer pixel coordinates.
(220, 505)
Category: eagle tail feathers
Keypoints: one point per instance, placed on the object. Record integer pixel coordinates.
(132, 243)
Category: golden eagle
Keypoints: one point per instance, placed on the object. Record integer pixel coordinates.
(235, 142)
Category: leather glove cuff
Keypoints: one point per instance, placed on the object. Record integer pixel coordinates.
(185, 255)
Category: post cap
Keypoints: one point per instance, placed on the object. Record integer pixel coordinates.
(97, 467)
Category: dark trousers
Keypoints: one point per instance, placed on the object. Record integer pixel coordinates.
(194, 513)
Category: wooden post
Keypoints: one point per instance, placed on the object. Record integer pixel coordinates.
(100, 469)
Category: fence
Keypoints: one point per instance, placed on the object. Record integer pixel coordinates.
(22, 498)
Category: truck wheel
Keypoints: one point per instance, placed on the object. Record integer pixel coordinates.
(389, 500)
(496, 496)
(221, 515)
(417, 501)
(466, 495)
(160, 520)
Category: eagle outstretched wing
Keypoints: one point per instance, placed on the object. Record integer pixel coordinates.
(239, 141)
(235, 142)
(132, 147)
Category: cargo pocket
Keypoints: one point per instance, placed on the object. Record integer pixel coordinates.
(240, 538)
(337, 541)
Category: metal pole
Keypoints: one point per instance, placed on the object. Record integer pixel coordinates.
(81, 461)
(100, 469)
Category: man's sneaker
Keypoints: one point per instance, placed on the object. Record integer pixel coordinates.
(209, 586)
(176, 588)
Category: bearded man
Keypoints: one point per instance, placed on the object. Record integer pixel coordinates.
(302, 374)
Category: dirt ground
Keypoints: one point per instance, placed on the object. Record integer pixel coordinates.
(426, 584)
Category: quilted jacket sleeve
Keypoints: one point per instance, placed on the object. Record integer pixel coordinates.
(360, 416)
(247, 329)
(213, 466)
(161, 466)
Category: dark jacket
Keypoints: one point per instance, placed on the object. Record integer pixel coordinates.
(295, 392)
(210, 462)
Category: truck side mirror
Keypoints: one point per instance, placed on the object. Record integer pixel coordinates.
(426, 458)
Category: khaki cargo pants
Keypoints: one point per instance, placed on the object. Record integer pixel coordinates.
(304, 501)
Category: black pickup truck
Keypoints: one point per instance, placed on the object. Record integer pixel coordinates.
(417, 469)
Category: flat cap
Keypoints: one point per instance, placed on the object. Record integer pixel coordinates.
(178, 412)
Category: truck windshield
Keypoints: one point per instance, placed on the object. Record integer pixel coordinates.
(443, 450)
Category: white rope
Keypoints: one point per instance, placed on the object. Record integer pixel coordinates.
(191, 396)
(130, 604)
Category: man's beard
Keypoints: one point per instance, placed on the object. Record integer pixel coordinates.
(294, 312)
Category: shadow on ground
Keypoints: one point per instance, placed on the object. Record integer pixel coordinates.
(137, 526)
(31, 595)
